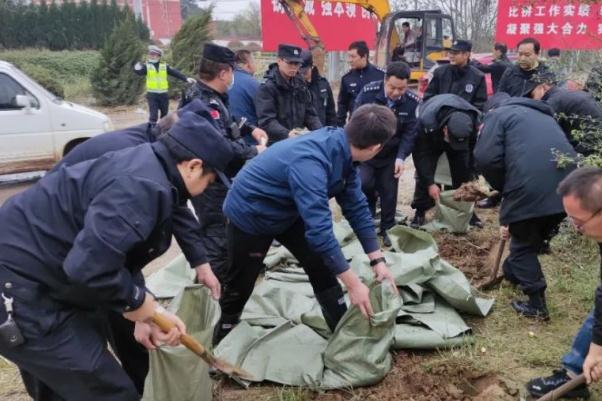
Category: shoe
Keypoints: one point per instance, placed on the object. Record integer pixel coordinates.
(489, 203)
(419, 219)
(224, 326)
(386, 240)
(475, 221)
(534, 308)
(540, 386)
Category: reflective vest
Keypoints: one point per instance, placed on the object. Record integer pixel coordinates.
(156, 81)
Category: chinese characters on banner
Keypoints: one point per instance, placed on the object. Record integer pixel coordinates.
(337, 23)
(562, 24)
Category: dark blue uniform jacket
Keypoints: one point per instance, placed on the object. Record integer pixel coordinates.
(296, 178)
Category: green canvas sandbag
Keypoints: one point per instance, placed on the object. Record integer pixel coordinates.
(452, 216)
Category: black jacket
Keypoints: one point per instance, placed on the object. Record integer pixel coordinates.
(322, 98)
(185, 226)
(575, 110)
(283, 105)
(402, 143)
(515, 154)
(466, 82)
(351, 86)
(514, 80)
(496, 69)
(431, 118)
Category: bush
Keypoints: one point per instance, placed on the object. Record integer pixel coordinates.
(63, 65)
(113, 81)
(44, 77)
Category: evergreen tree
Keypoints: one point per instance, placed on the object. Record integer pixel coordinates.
(113, 81)
(187, 44)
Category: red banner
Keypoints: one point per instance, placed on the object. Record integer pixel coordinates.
(563, 24)
(337, 23)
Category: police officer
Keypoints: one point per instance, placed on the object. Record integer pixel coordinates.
(284, 194)
(515, 78)
(361, 73)
(103, 220)
(381, 173)
(459, 77)
(157, 86)
(321, 93)
(215, 78)
(284, 103)
(574, 110)
(446, 123)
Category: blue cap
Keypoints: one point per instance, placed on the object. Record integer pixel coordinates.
(197, 134)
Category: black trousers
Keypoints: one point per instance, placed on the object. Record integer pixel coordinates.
(157, 102)
(522, 266)
(380, 181)
(208, 208)
(427, 158)
(245, 256)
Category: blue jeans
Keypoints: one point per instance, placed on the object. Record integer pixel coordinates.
(573, 360)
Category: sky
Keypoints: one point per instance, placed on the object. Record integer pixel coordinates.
(226, 9)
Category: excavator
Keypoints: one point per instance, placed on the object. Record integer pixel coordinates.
(421, 46)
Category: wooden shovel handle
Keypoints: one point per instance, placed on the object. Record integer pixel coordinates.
(498, 259)
(565, 388)
(188, 341)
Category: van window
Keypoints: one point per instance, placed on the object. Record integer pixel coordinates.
(9, 89)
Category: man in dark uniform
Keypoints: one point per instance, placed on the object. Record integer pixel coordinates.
(284, 103)
(284, 194)
(515, 78)
(215, 78)
(446, 123)
(103, 220)
(157, 86)
(361, 73)
(187, 231)
(381, 173)
(459, 77)
(515, 154)
(321, 93)
(497, 67)
(574, 110)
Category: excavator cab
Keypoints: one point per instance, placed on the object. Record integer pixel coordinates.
(419, 38)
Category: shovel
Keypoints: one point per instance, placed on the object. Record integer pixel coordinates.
(196, 347)
(565, 388)
(494, 279)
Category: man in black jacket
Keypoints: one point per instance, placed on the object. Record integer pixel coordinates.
(446, 124)
(381, 174)
(574, 110)
(459, 77)
(514, 80)
(581, 193)
(216, 75)
(515, 153)
(321, 93)
(284, 103)
(498, 66)
(361, 73)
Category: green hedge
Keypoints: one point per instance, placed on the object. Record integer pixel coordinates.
(62, 65)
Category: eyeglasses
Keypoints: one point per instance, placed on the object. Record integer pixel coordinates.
(579, 225)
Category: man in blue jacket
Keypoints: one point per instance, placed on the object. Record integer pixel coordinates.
(381, 173)
(244, 88)
(284, 193)
(101, 221)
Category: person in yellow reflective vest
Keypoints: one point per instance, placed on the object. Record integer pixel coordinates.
(156, 73)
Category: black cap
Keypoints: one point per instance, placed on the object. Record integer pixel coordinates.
(199, 136)
(461, 46)
(308, 59)
(219, 54)
(290, 53)
(459, 128)
(545, 77)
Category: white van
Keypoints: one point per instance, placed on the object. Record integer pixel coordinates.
(36, 128)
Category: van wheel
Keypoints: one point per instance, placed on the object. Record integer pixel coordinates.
(69, 147)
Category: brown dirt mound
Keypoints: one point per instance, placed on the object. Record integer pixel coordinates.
(471, 192)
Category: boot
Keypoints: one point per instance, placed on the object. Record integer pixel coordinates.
(386, 240)
(332, 303)
(475, 221)
(534, 308)
(541, 386)
(224, 325)
(419, 219)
